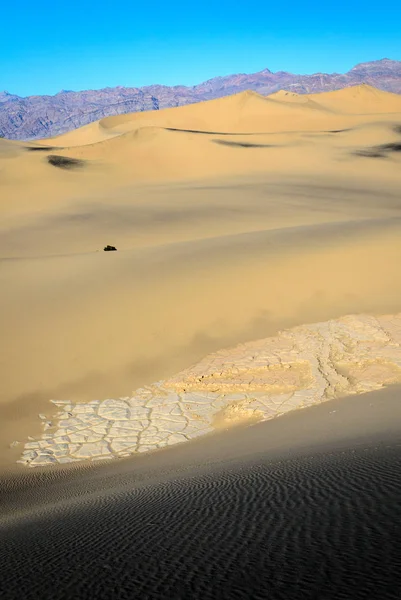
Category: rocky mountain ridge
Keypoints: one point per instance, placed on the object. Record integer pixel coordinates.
(36, 117)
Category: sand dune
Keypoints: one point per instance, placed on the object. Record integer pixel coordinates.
(237, 135)
(359, 99)
(93, 132)
(233, 218)
(303, 506)
(246, 112)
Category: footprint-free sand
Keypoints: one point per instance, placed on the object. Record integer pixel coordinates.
(234, 220)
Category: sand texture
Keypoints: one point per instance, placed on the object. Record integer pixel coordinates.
(304, 506)
(257, 272)
(233, 219)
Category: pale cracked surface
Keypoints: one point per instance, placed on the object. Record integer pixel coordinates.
(256, 381)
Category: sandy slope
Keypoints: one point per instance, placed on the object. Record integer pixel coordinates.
(233, 218)
(360, 99)
(305, 506)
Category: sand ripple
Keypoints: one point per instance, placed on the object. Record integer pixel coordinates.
(316, 526)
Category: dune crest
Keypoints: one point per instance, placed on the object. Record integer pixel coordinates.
(359, 99)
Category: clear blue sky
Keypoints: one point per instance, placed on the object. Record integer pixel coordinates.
(46, 46)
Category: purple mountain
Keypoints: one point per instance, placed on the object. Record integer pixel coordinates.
(44, 116)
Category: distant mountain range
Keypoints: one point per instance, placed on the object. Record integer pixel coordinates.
(45, 116)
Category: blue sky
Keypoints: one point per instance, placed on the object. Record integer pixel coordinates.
(47, 46)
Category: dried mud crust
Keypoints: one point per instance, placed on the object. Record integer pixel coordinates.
(251, 382)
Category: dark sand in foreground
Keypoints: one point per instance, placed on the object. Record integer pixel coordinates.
(305, 506)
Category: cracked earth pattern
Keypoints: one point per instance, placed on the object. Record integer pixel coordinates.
(252, 382)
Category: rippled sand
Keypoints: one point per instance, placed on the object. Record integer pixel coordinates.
(307, 505)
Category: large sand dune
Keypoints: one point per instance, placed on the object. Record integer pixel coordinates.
(233, 218)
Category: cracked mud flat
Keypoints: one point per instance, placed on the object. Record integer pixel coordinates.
(251, 382)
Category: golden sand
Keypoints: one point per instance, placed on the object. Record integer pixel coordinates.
(233, 218)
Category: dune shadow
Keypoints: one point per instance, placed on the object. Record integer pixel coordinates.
(381, 151)
(243, 144)
(41, 148)
(338, 130)
(210, 132)
(394, 147)
(370, 153)
(64, 162)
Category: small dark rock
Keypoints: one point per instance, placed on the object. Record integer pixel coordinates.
(109, 248)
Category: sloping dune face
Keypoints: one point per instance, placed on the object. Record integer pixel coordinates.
(247, 112)
(232, 219)
(360, 99)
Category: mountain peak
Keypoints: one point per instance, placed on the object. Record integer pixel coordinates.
(5, 96)
(28, 118)
(373, 65)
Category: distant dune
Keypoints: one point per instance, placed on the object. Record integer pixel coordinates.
(43, 116)
(142, 142)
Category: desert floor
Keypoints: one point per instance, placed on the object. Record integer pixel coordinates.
(233, 219)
